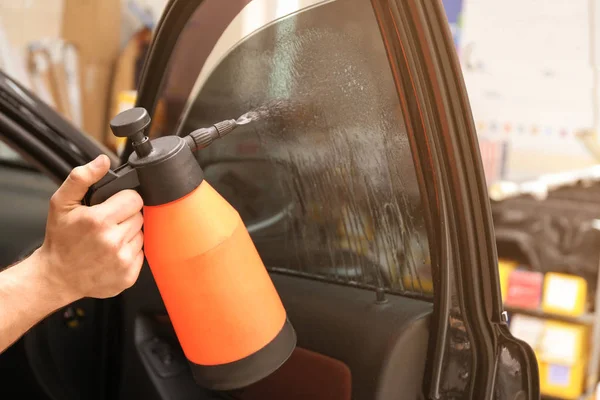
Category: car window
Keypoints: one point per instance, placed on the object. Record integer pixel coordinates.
(323, 177)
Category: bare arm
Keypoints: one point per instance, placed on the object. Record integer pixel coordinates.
(26, 297)
(87, 252)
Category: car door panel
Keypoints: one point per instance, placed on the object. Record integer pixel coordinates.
(441, 138)
(383, 342)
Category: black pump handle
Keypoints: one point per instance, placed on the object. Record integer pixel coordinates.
(121, 178)
(132, 124)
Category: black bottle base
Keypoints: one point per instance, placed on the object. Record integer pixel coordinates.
(251, 369)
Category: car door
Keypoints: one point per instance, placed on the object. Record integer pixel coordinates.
(341, 81)
(360, 182)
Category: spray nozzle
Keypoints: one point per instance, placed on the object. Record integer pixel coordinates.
(203, 137)
(133, 123)
(155, 161)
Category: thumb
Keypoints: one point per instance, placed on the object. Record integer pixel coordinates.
(74, 188)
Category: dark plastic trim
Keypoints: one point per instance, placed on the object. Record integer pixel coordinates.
(49, 128)
(32, 149)
(427, 156)
(446, 153)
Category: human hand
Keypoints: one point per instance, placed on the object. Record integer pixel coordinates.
(92, 251)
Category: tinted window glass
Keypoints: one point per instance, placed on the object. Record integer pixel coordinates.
(323, 177)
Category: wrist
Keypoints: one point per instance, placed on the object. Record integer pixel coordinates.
(53, 288)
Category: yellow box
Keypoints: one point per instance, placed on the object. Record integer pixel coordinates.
(505, 268)
(564, 294)
(563, 381)
(562, 359)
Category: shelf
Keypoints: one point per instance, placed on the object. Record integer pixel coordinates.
(584, 319)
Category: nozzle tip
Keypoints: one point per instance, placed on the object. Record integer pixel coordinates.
(203, 137)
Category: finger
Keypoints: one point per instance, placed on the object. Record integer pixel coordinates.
(138, 263)
(135, 245)
(135, 268)
(74, 188)
(130, 227)
(120, 206)
(129, 250)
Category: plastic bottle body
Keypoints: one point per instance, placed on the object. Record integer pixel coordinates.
(219, 296)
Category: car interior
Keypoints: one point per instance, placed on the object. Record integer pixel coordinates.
(324, 180)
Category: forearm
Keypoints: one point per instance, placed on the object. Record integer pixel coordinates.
(27, 295)
(87, 252)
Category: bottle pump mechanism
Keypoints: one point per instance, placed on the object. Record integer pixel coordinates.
(225, 311)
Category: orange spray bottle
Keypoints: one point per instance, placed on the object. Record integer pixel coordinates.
(225, 311)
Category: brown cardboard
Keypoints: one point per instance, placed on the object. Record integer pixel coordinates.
(32, 20)
(94, 28)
